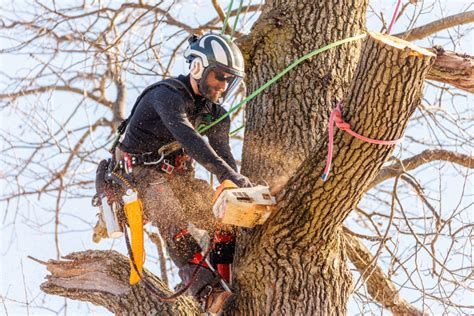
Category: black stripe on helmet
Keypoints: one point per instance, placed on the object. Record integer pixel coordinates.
(222, 43)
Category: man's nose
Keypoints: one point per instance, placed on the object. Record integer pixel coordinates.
(222, 85)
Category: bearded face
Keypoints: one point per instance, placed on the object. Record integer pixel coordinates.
(216, 84)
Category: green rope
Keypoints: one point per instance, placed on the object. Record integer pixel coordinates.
(227, 16)
(235, 131)
(236, 19)
(281, 74)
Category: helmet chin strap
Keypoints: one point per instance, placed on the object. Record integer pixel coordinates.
(198, 86)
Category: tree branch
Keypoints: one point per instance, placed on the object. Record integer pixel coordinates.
(101, 277)
(156, 239)
(416, 161)
(436, 26)
(250, 8)
(221, 14)
(453, 68)
(85, 93)
(379, 286)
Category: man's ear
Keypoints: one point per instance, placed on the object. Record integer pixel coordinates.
(197, 68)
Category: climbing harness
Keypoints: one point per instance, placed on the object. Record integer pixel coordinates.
(167, 160)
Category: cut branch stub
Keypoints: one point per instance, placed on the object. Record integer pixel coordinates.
(386, 87)
(454, 69)
(101, 278)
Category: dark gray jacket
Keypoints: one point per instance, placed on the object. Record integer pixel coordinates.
(164, 115)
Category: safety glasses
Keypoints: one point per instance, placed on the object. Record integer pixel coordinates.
(223, 76)
(221, 73)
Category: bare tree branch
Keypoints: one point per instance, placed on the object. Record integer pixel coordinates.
(85, 93)
(250, 8)
(101, 277)
(378, 284)
(436, 26)
(156, 239)
(416, 161)
(221, 14)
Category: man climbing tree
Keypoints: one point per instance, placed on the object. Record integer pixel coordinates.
(170, 111)
(299, 261)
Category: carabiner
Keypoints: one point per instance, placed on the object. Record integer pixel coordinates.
(155, 162)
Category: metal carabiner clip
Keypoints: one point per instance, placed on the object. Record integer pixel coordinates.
(155, 162)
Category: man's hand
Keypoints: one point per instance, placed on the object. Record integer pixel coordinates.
(240, 180)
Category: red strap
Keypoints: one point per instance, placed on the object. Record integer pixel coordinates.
(336, 117)
(182, 233)
(224, 271)
(394, 17)
(198, 258)
(220, 237)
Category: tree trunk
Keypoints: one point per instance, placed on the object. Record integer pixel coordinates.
(286, 121)
(295, 263)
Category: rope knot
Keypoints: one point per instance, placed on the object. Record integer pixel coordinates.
(336, 118)
(340, 123)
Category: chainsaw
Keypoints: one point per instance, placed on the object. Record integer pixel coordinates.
(244, 207)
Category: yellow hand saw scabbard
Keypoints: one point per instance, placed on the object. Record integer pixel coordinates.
(134, 212)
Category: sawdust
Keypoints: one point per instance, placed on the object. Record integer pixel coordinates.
(172, 202)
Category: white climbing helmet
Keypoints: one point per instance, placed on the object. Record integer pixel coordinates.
(216, 64)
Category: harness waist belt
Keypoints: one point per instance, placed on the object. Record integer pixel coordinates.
(165, 163)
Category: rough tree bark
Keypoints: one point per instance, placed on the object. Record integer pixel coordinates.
(296, 262)
(454, 69)
(101, 277)
(286, 121)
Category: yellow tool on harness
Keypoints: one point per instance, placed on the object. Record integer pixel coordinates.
(244, 207)
(134, 212)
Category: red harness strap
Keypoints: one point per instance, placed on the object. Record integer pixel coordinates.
(198, 257)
